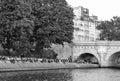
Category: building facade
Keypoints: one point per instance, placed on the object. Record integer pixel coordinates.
(84, 25)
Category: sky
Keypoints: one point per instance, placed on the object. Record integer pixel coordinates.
(104, 9)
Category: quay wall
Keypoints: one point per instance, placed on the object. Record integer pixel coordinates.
(7, 66)
(63, 51)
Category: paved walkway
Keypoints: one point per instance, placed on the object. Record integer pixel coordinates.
(37, 66)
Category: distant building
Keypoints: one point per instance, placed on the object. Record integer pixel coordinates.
(81, 13)
(84, 25)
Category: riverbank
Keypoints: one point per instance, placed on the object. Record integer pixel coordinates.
(7, 66)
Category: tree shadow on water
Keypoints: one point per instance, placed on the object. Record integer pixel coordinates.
(42, 76)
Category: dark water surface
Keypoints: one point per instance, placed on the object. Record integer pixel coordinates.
(89, 74)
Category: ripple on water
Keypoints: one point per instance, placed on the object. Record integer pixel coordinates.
(98, 74)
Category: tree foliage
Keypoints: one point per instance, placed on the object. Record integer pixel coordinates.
(33, 25)
(53, 22)
(16, 27)
(110, 30)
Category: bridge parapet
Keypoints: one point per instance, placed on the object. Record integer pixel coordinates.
(99, 43)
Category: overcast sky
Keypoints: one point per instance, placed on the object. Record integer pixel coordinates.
(104, 9)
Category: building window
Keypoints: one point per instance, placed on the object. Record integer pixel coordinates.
(76, 29)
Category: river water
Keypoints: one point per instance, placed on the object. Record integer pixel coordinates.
(88, 74)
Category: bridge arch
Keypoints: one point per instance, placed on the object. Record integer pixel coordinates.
(111, 52)
(114, 59)
(88, 58)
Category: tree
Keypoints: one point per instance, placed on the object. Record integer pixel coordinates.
(53, 22)
(110, 30)
(34, 25)
(16, 25)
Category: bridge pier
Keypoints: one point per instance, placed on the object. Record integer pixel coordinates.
(104, 64)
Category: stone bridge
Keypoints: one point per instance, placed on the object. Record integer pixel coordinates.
(107, 53)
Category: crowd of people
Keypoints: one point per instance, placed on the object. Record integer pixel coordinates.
(33, 59)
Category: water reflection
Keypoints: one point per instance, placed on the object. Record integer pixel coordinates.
(93, 74)
(46, 75)
(96, 74)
